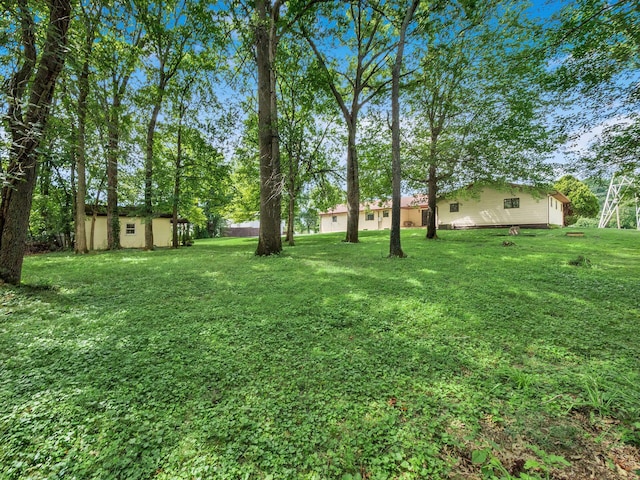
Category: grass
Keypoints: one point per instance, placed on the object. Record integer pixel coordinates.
(466, 360)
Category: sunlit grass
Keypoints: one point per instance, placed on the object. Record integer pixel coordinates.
(329, 361)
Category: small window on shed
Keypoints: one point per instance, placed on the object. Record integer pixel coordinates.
(454, 207)
(550, 202)
(130, 229)
(511, 203)
(370, 216)
(334, 219)
(385, 214)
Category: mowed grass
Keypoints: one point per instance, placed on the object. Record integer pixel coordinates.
(468, 359)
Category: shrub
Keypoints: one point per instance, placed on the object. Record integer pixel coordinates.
(585, 222)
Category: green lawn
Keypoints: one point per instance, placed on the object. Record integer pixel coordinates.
(469, 359)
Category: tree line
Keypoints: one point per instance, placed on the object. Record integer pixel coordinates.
(244, 107)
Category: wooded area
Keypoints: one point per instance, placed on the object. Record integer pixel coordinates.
(279, 109)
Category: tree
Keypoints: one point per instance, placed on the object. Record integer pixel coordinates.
(51, 218)
(597, 47)
(116, 56)
(90, 18)
(583, 202)
(477, 108)
(245, 174)
(359, 84)
(267, 27)
(395, 247)
(29, 94)
(304, 129)
(266, 44)
(182, 111)
(190, 177)
(169, 29)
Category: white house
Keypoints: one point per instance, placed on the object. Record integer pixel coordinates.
(375, 215)
(479, 207)
(488, 206)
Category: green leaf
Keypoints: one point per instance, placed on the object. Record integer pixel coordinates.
(479, 456)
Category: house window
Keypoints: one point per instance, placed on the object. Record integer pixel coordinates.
(370, 216)
(334, 219)
(385, 214)
(511, 203)
(454, 207)
(130, 229)
(550, 202)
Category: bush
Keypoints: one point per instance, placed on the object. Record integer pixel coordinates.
(570, 220)
(586, 222)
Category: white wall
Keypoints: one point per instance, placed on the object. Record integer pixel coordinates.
(556, 215)
(327, 224)
(488, 209)
(162, 232)
(379, 222)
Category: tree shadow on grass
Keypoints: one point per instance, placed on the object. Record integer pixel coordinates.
(328, 360)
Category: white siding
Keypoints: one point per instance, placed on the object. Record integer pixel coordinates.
(556, 215)
(379, 222)
(411, 217)
(488, 209)
(162, 232)
(327, 224)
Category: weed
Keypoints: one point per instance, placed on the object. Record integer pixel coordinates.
(598, 397)
(580, 261)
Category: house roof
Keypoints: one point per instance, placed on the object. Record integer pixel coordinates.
(405, 202)
(559, 196)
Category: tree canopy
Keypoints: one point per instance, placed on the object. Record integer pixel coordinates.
(583, 201)
(597, 58)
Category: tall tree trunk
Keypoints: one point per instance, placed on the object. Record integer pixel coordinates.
(119, 89)
(432, 197)
(291, 189)
(26, 132)
(16, 207)
(353, 182)
(176, 183)
(113, 220)
(270, 239)
(395, 247)
(44, 177)
(81, 191)
(290, 221)
(94, 216)
(148, 177)
(69, 214)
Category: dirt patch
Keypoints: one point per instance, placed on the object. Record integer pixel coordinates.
(590, 452)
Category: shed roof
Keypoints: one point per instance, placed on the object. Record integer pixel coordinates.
(134, 211)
